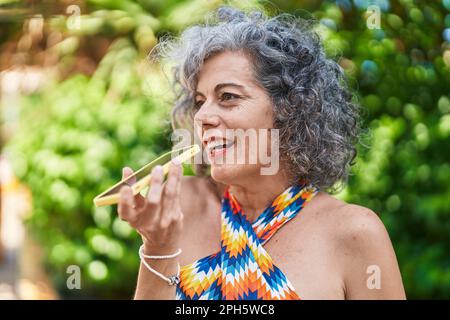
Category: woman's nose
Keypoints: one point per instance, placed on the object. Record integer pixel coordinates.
(206, 116)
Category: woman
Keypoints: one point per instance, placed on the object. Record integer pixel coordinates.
(247, 71)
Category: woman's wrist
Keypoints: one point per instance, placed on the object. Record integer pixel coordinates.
(167, 266)
(152, 250)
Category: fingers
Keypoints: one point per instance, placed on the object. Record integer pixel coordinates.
(170, 202)
(125, 207)
(161, 206)
(155, 189)
(138, 199)
(126, 172)
(133, 208)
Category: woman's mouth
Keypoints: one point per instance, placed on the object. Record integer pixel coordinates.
(216, 149)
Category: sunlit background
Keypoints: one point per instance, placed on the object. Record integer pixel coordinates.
(79, 100)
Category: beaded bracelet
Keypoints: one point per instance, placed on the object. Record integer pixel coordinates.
(172, 280)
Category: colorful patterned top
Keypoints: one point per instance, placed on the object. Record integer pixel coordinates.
(242, 269)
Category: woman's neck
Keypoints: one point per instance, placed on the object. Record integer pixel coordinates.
(256, 194)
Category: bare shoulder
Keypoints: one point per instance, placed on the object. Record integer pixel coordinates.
(362, 243)
(352, 227)
(360, 226)
(192, 185)
(191, 188)
(346, 222)
(196, 192)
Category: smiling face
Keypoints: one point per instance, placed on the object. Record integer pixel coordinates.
(228, 98)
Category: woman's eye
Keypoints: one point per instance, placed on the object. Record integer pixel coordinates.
(198, 104)
(228, 96)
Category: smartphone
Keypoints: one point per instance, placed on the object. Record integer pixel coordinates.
(143, 175)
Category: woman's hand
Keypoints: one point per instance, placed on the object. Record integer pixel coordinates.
(157, 217)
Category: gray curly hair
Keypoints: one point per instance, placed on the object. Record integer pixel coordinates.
(313, 109)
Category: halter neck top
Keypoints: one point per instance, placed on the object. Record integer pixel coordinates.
(242, 269)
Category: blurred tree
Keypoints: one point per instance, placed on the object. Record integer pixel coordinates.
(402, 72)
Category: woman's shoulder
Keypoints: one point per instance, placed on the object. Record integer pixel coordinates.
(195, 184)
(350, 222)
(192, 184)
(358, 237)
(198, 192)
(362, 244)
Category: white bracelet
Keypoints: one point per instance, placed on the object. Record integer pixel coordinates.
(172, 280)
(173, 255)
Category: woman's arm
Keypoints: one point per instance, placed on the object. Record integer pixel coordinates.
(159, 220)
(369, 265)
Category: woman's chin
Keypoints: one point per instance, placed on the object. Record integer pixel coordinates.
(230, 174)
(222, 173)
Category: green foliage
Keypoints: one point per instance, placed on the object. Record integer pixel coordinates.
(402, 72)
(76, 135)
(75, 138)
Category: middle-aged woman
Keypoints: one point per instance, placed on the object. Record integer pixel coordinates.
(240, 234)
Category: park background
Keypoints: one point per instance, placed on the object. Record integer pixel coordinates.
(79, 100)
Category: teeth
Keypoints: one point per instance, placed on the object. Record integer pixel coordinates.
(216, 145)
(213, 145)
(220, 146)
